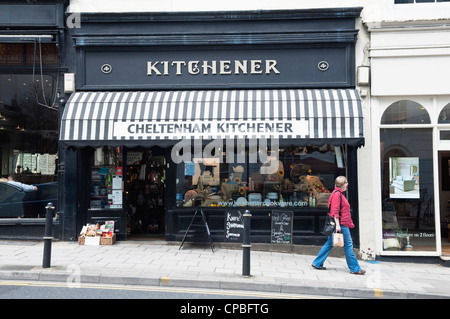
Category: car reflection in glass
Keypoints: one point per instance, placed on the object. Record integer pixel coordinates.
(14, 202)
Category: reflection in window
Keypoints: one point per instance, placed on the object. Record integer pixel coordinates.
(407, 190)
(444, 116)
(405, 112)
(444, 135)
(29, 135)
(302, 177)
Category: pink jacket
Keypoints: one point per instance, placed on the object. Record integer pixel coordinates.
(334, 202)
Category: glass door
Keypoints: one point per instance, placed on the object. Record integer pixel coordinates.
(444, 205)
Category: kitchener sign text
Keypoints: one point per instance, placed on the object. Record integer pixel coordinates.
(222, 67)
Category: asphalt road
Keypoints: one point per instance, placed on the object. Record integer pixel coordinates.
(62, 290)
(45, 297)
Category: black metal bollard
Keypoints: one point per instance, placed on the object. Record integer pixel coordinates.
(48, 235)
(246, 245)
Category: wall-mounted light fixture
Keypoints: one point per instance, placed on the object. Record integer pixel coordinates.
(363, 75)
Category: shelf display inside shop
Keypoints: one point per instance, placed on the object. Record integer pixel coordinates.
(304, 178)
(106, 182)
(145, 192)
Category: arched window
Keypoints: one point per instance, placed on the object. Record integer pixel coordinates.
(405, 112)
(407, 187)
(444, 116)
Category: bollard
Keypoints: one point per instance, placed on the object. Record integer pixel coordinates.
(48, 235)
(246, 245)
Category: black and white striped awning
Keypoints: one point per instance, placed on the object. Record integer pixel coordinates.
(159, 117)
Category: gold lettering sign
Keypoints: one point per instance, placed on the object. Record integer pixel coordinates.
(221, 67)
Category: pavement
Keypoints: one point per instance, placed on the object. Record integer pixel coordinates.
(161, 263)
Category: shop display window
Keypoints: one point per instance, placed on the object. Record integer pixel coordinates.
(408, 221)
(408, 215)
(106, 186)
(299, 177)
(28, 143)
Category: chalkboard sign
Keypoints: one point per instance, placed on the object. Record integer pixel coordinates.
(281, 227)
(234, 226)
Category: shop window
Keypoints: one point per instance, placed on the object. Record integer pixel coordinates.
(408, 220)
(444, 116)
(298, 177)
(405, 112)
(444, 135)
(29, 139)
(105, 184)
(13, 54)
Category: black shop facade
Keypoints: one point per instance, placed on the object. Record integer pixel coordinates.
(219, 112)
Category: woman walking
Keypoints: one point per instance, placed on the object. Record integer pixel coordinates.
(338, 202)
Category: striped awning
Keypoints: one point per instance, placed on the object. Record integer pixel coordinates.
(164, 117)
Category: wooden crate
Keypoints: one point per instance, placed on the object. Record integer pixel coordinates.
(108, 240)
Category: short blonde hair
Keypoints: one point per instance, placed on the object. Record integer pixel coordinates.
(340, 181)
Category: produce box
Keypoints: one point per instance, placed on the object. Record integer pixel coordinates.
(97, 240)
(88, 240)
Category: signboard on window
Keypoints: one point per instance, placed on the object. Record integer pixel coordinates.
(404, 177)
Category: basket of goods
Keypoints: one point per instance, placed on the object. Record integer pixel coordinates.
(95, 234)
(318, 190)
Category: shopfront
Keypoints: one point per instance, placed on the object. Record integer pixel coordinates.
(411, 126)
(227, 112)
(31, 66)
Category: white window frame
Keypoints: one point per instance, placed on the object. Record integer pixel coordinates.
(430, 104)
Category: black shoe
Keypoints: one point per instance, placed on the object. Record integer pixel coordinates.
(323, 268)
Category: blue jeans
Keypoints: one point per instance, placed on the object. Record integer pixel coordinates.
(352, 263)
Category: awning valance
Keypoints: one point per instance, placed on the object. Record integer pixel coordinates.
(162, 117)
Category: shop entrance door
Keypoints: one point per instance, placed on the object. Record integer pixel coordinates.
(145, 193)
(444, 195)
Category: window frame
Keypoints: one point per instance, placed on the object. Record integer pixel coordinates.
(434, 129)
